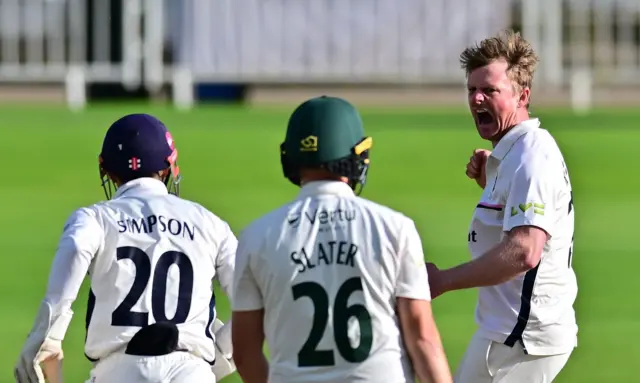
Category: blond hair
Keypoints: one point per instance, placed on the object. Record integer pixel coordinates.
(509, 46)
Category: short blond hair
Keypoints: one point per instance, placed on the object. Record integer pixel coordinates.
(509, 46)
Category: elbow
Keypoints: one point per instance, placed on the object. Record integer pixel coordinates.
(247, 338)
(245, 360)
(241, 348)
(527, 243)
(427, 346)
(528, 259)
(241, 359)
(245, 355)
(417, 325)
(246, 351)
(421, 341)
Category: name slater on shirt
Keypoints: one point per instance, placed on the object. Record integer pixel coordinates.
(157, 223)
(327, 253)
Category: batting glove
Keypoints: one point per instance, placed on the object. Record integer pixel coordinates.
(224, 364)
(41, 356)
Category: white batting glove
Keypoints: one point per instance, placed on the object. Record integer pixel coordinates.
(224, 364)
(41, 355)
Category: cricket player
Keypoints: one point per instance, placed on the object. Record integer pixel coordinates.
(151, 258)
(335, 283)
(521, 233)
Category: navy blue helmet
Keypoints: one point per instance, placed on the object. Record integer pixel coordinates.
(136, 146)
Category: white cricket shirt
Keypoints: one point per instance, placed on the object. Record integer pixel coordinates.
(151, 256)
(327, 269)
(528, 185)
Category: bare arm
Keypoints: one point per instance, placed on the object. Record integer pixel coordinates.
(528, 224)
(413, 297)
(248, 338)
(247, 332)
(520, 251)
(422, 339)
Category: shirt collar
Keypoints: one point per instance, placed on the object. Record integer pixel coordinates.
(145, 185)
(325, 187)
(506, 143)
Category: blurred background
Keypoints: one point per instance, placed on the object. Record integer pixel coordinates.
(224, 75)
(249, 49)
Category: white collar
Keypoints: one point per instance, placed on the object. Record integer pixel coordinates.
(325, 187)
(144, 185)
(506, 143)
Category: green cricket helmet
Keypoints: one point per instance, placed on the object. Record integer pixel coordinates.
(326, 133)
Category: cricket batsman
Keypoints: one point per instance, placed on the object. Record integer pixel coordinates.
(151, 258)
(335, 283)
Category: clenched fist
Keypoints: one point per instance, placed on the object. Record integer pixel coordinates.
(476, 166)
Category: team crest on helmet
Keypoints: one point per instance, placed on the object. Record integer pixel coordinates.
(309, 144)
(135, 163)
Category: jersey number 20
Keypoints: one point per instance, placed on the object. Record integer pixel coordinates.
(309, 355)
(124, 316)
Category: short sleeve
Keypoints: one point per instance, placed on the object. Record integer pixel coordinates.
(531, 198)
(412, 281)
(247, 295)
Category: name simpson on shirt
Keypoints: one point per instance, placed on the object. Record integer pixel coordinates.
(157, 223)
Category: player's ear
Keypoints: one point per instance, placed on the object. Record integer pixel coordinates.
(523, 101)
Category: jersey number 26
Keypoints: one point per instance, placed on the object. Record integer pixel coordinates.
(124, 316)
(309, 355)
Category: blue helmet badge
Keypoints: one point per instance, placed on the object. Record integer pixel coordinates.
(136, 146)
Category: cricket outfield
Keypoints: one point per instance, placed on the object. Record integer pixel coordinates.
(230, 161)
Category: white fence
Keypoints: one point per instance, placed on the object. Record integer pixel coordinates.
(581, 42)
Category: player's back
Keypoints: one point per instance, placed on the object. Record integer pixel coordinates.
(327, 266)
(156, 263)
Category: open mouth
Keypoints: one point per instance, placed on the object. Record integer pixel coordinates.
(484, 117)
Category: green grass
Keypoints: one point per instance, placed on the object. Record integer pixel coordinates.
(229, 158)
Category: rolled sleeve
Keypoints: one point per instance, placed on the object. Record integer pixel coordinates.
(531, 198)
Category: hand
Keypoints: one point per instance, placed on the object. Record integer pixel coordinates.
(52, 366)
(435, 280)
(41, 355)
(476, 166)
(39, 364)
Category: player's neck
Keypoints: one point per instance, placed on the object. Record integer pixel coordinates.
(319, 175)
(519, 118)
(307, 181)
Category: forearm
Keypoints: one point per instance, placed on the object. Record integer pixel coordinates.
(500, 264)
(252, 367)
(429, 361)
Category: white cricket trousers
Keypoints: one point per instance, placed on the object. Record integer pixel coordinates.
(486, 361)
(177, 367)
